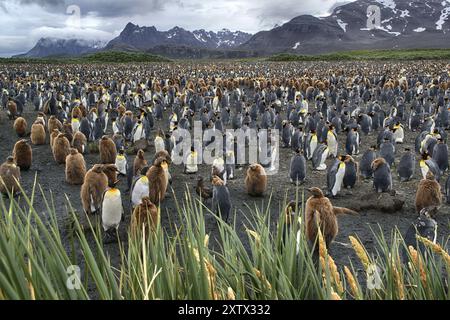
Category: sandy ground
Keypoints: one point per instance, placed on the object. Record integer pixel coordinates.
(52, 180)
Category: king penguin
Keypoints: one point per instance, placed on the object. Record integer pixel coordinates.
(425, 226)
(406, 166)
(440, 155)
(352, 142)
(112, 211)
(121, 162)
(398, 133)
(427, 164)
(387, 151)
(366, 162)
(351, 172)
(332, 141)
(320, 156)
(310, 144)
(335, 176)
(297, 171)
(382, 178)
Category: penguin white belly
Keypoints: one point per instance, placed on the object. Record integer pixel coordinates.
(312, 147)
(273, 160)
(424, 169)
(159, 144)
(398, 135)
(338, 183)
(322, 166)
(93, 207)
(106, 122)
(424, 143)
(115, 128)
(332, 145)
(138, 134)
(75, 126)
(432, 127)
(112, 209)
(140, 190)
(191, 164)
(121, 164)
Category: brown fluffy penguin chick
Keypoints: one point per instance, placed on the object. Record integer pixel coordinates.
(22, 154)
(77, 112)
(75, 167)
(111, 172)
(144, 215)
(54, 123)
(204, 192)
(67, 130)
(12, 110)
(256, 180)
(320, 212)
(164, 154)
(157, 181)
(20, 126)
(37, 134)
(41, 118)
(79, 142)
(139, 162)
(53, 136)
(428, 193)
(9, 177)
(107, 150)
(91, 193)
(61, 148)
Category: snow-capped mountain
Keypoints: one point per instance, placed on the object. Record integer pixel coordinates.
(401, 24)
(47, 47)
(145, 38)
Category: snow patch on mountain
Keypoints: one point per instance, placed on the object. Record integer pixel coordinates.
(342, 24)
(444, 16)
(387, 3)
(296, 45)
(404, 13)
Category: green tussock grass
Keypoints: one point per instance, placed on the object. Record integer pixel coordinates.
(99, 57)
(401, 54)
(184, 264)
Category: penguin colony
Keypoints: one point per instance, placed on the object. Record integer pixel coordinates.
(324, 118)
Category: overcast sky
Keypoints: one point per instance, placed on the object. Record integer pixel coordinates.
(23, 22)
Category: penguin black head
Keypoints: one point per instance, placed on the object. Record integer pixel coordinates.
(113, 184)
(428, 212)
(425, 156)
(10, 159)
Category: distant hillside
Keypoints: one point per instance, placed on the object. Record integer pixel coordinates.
(404, 24)
(54, 47)
(134, 37)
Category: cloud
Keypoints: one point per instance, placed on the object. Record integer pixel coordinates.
(104, 19)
